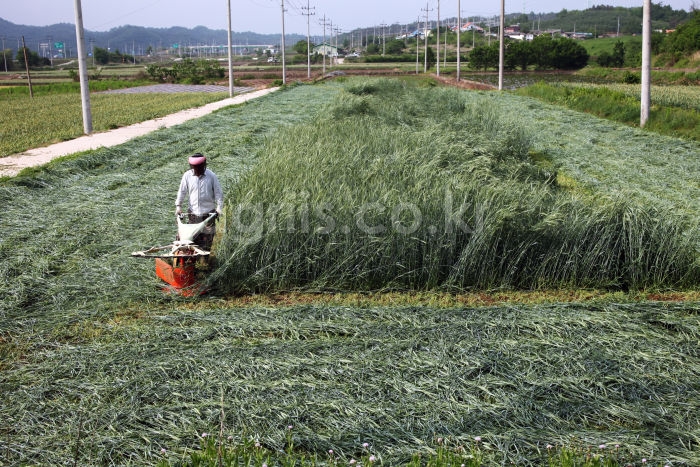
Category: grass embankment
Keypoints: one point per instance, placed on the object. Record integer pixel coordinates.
(54, 114)
(99, 367)
(401, 187)
(673, 112)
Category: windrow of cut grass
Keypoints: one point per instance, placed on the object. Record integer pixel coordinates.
(409, 188)
(118, 391)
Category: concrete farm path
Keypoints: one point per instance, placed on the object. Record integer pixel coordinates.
(12, 165)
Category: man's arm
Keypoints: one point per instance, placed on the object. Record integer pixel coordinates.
(218, 194)
(181, 194)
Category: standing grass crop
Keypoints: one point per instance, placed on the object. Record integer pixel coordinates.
(383, 192)
(687, 97)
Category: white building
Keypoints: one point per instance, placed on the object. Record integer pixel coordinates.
(326, 49)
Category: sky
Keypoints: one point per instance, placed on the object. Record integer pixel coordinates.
(265, 16)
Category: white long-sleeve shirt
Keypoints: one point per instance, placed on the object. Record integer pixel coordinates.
(203, 193)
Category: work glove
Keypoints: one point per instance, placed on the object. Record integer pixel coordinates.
(178, 211)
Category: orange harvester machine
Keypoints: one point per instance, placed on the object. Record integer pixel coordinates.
(175, 263)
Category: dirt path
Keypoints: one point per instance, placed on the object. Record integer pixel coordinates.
(12, 165)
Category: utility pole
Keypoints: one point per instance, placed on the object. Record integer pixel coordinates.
(425, 34)
(308, 38)
(230, 54)
(646, 63)
(284, 65)
(437, 43)
(383, 39)
(4, 58)
(417, 46)
(330, 40)
(50, 43)
(337, 31)
(444, 58)
(325, 47)
(26, 64)
(501, 46)
(82, 66)
(459, 33)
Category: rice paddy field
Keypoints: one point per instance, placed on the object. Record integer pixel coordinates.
(673, 112)
(361, 187)
(687, 97)
(28, 123)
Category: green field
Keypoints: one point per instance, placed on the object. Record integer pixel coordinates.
(673, 111)
(52, 117)
(100, 367)
(686, 97)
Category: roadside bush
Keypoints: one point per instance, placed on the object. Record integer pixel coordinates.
(614, 59)
(631, 78)
(187, 71)
(483, 57)
(7, 60)
(32, 58)
(685, 39)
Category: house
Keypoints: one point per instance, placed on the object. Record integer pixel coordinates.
(521, 36)
(470, 26)
(326, 49)
(578, 35)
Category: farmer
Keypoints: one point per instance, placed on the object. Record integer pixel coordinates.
(204, 196)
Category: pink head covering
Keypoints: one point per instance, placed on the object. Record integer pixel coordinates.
(197, 159)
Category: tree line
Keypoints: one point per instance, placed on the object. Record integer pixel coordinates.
(543, 52)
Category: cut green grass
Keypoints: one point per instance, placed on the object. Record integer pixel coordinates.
(397, 378)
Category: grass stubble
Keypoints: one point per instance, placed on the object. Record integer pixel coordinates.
(98, 367)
